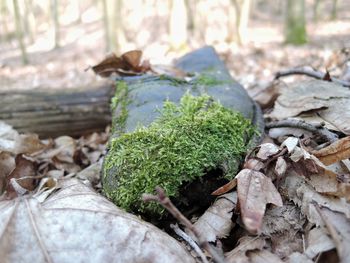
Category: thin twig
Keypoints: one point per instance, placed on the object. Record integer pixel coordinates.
(164, 201)
(300, 124)
(311, 73)
(190, 241)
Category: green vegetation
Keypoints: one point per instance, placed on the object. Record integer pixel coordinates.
(120, 102)
(185, 142)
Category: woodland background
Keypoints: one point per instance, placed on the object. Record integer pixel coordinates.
(50, 43)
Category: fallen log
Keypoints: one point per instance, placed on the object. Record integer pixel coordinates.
(51, 113)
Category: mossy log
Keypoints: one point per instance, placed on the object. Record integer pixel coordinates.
(51, 113)
(139, 102)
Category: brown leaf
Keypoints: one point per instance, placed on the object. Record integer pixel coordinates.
(132, 59)
(128, 63)
(23, 175)
(225, 188)
(255, 190)
(337, 151)
(109, 65)
(7, 164)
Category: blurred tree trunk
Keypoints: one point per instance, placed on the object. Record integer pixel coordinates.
(56, 25)
(242, 11)
(19, 32)
(190, 15)
(3, 19)
(295, 28)
(316, 8)
(106, 24)
(115, 37)
(178, 24)
(334, 9)
(29, 20)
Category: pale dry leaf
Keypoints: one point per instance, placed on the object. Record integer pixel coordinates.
(255, 191)
(291, 143)
(318, 242)
(297, 257)
(216, 222)
(338, 227)
(306, 96)
(266, 150)
(263, 256)
(301, 193)
(91, 173)
(77, 217)
(245, 244)
(67, 146)
(337, 151)
(281, 166)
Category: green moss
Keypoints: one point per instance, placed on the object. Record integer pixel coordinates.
(184, 143)
(119, 103)
(207, 80)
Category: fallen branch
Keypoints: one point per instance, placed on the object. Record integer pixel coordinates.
(164, 201)
(311, 73)
(300, 124)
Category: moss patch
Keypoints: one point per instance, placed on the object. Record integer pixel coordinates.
(119, 103)
(184, 143)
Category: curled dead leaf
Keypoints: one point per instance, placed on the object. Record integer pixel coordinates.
(337, 151)
(255, 191)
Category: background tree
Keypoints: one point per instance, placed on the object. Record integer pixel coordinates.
(242, 11)
(178, 24)
(56, 25)
(114, 34)
(295, 28)
(19, 31)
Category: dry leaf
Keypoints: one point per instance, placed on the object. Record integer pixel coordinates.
(76, 224)
(255, 191)
(337, 151)
(22, 178)
(245, 244)
(304, 196)
(266, 150)
(331, 101)
(281, 166)
(128, 64)
(284, 225)
(216, 222)
(318, 242)
(338, 227)
(226, 188)
(7, 165)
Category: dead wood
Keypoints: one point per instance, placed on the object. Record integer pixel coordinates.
(51, 113)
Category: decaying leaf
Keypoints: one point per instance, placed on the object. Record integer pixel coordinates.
(266, 150)
(251, 249)
(7, 165)
(318, 242)
(128, 63)
(255, 191)
(266, 94)
(22, 178)
(331, 101)
(216, 222)
(335, 152)
(284, 225)
(75, 223)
